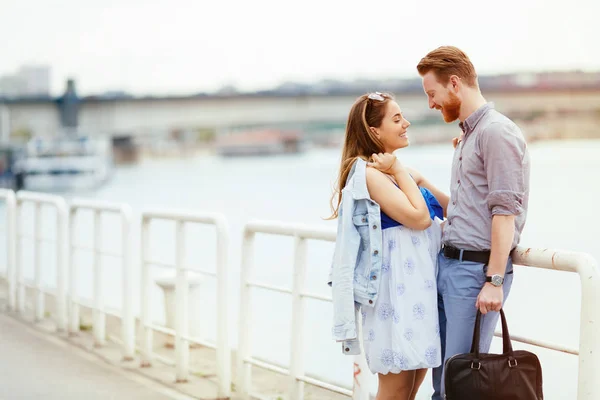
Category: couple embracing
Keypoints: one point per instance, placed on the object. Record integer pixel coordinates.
(412, 264)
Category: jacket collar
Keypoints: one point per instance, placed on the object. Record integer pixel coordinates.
(358, 180)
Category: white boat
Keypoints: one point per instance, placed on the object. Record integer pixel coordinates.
(66, 163)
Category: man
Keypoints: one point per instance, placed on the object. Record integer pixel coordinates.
(488, 205)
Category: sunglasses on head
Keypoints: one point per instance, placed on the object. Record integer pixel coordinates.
(378, 96)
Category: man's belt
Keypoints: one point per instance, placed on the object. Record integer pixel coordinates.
(467, 255)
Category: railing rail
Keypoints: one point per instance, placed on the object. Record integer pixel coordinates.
(181, 331)
(296, 370)
(98, 308)
(583, 264)
(589, 327)
(61, 242)
(580, 263)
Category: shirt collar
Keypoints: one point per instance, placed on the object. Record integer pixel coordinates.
(469, 124)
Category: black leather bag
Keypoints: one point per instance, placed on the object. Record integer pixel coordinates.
(512, 375)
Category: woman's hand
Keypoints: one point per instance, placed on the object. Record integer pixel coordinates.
(385, 162)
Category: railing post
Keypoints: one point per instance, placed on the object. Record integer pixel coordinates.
(589, 331)
(297, 345)
(182, 346)
(128, 319)
(223, 351)
(146, 329)
(244, 370)
(11, 238)
(73, 278)
(62, 261)
(99, 317)
(37, 263)
(19, 261)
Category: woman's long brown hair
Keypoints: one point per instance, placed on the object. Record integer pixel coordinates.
(359, 140)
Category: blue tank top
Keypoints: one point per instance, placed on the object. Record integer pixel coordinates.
(435, 210)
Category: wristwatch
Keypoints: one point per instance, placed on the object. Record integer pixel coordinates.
(496, 280)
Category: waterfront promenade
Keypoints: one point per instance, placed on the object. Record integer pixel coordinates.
(36, 365)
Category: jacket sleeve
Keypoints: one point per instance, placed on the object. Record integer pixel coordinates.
(344, 260)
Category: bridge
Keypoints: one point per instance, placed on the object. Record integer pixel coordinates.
(153, 115)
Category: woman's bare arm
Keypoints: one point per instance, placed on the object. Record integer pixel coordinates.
(407, 205)
(441, 197)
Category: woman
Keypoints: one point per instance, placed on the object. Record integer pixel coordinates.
(387, 242)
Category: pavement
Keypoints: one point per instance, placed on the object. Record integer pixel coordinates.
(35, 365)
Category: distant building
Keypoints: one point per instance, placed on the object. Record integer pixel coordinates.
(11, 86)
(29, 81)
(37, 80)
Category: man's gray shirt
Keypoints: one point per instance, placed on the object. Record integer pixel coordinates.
(490, 176)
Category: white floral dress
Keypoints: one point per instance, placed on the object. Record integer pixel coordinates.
(401, 332)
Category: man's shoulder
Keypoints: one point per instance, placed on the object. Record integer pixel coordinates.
(498, 120)
(497, 123)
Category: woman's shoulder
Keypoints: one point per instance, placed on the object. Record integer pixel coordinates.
(374, 175)
(378, 182)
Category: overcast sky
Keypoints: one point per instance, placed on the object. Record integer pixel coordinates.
(187, 46)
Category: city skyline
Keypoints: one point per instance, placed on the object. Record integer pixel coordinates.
(186, 47)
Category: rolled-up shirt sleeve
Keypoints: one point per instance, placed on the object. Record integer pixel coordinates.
(503, 148)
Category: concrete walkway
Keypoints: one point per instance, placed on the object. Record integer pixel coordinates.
(34, 365)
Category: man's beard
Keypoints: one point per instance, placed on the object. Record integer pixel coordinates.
(451, 109)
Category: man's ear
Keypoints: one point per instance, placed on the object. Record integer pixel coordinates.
(454, 83)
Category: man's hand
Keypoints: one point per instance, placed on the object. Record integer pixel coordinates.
(490, 298)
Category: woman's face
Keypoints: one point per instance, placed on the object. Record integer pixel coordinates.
(392, 132)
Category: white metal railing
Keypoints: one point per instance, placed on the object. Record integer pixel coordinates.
(61, 243)
(11, 211)
(583, 264)
(181, 331)
(589, 327)
(98, 307)
(295, 372)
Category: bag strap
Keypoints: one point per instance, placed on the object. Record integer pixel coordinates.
(506, 343)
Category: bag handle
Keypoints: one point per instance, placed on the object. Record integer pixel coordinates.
(506, 343)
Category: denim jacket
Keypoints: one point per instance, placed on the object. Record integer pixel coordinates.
(358, 255)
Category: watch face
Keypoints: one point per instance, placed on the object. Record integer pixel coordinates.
(497, 280)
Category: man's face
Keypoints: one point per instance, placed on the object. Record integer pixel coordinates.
(441, 97)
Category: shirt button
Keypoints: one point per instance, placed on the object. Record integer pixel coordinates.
(364, 220)
(459, 181)
(374, 278)
(376, 252)
(460, 158)
(454, 203)
(347, 349)
(449, 222)
(374, 226)
(370, 301)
